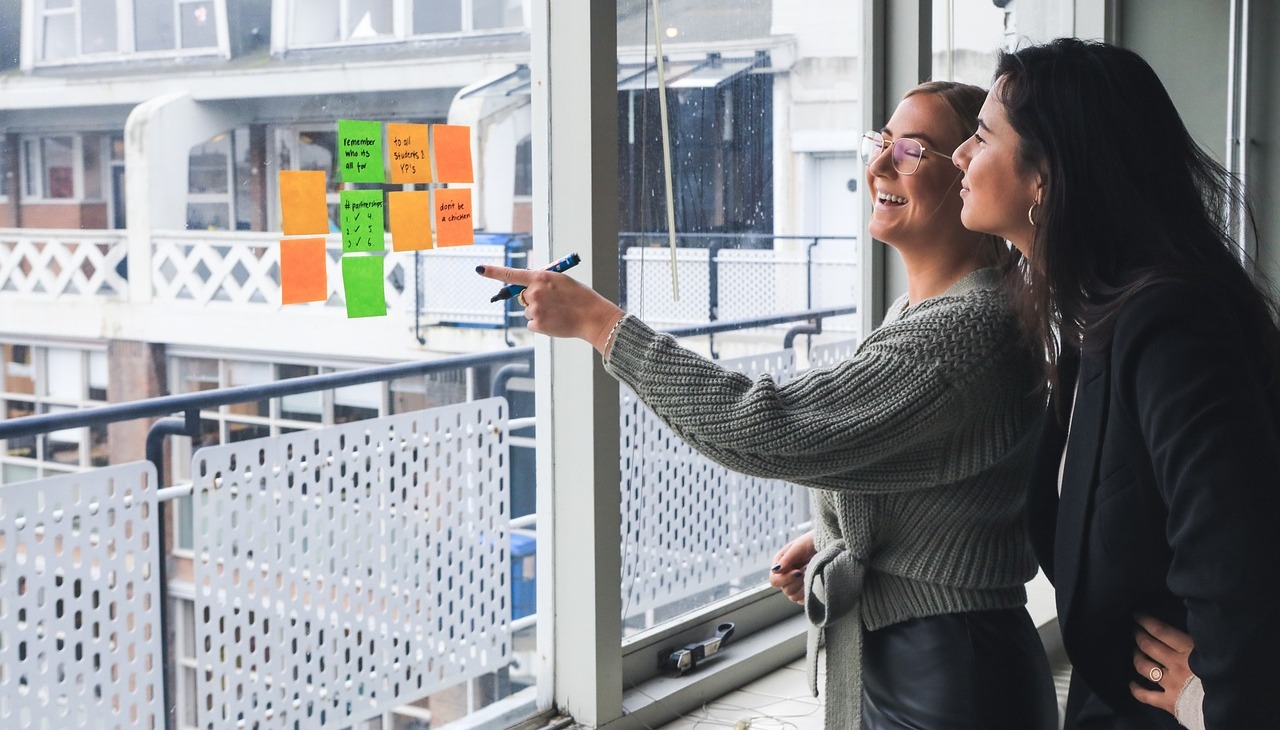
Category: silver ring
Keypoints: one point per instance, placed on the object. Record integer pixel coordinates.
(1156, 674)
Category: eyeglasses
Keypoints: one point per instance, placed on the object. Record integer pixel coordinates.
(906, 152)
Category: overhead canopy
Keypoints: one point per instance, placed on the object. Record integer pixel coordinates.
(705, 73)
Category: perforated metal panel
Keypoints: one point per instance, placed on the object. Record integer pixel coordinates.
(344, 571)
(691, 526)
(821, 356)
(80, 643)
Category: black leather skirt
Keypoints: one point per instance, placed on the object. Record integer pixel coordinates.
(985, 670)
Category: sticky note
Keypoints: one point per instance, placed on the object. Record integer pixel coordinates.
(408, 154)
(410, 213)
(453, 217)
(302, 203)
(362, 220)
(360, 151)
(362, 286)
(451, 145)
(302, 271)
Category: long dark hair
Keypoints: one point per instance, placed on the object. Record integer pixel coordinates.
(1130, 199)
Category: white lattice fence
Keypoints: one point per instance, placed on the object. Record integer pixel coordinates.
(62, 264)
(80, 640)
(245, 269)
(690, 525)
(344, 571)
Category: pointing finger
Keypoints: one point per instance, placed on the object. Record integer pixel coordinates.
(506, 274)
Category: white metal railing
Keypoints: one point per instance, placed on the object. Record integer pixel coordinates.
(62, 264)
(210, 268)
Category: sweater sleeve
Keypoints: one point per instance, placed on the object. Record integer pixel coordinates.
(886, 400)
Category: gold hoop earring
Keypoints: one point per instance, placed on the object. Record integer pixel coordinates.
(1031, 211)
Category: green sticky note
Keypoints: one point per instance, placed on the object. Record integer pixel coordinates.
(362, 286)
(360, 212)
(360, 151)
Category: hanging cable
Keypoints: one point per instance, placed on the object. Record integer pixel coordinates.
(666, 149)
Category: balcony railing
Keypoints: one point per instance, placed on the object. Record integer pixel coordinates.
(342, 571)
(721, 276)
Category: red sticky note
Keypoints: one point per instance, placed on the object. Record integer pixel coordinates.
(408, 154)
(451, 145)
(302, 271)
(453, 217)
(410, 213)
(302, 204)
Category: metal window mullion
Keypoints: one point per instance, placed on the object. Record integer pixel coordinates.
(574, 74)
(125, 40)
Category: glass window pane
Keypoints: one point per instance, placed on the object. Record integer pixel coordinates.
(208, 165)
(314, 21)
(195, 374)
(97, 27)
(356, 402)
(58, 156)
(98, 376)
(437, 16)
(64, 374)
(59, 37)
(496, 14)
(199, 25)
(153, 25)
(368, 18)
(23, 446)
(19, 377)
(14, 473)
(301, 406)
(249, 373)
(724, 106)
(91, 153)
(209, 216)
(61, 446)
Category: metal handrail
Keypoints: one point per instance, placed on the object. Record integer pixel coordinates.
(193, 403)
(169, 404)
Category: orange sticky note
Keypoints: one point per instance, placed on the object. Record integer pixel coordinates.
(410, 212)
(302, 204)
(453, 217)
(302, 271)
(408, 155)
(452, 147)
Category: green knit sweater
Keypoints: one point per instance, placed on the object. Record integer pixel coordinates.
(917, 450)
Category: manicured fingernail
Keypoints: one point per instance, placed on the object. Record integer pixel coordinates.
(479, 269)
(776, 568)
(798, 574)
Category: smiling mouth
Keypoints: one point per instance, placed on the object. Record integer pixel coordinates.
(888, 199)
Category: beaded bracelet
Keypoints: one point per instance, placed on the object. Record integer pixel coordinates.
(604, 351)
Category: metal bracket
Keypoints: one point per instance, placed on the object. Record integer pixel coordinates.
(683, 661)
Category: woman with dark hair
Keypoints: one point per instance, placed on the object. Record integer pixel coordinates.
(917, 449)
(1156, 488)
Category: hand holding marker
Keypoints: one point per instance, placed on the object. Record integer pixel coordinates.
(511, 290)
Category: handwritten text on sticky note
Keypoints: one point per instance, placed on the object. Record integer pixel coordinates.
(408, 155)
(362, 220)
(453, 217)
(360, 151)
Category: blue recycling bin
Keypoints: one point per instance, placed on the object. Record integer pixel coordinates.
(524, 574)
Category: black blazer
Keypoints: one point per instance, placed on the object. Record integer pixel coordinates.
(1170, 506)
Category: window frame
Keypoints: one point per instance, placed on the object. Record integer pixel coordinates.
(401, 25)
(126, 36)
